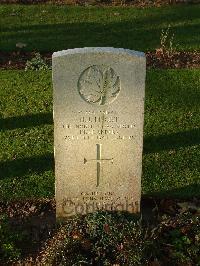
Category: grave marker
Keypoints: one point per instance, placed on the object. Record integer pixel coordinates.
(98, 129)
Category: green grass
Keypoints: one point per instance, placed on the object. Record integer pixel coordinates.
(171, 141)
(171, 163)
(51, 28)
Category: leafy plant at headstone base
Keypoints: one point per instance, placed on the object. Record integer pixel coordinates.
(37, 63)
(104, 238)
(114, 236)
(180, 239)
(101, 238)
(8, 238)
(174, 240)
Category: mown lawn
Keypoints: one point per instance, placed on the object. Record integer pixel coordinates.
(171, 134)
(51, 28)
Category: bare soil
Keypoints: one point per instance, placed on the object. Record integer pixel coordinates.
(156, 59)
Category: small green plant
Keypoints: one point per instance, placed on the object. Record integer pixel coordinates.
(8, 249)
(187, 247)
(167, 41)
(115, 238)
(182, 240)
(37, 63)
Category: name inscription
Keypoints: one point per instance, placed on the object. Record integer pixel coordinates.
(102, 125)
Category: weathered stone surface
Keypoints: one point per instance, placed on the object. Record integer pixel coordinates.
(98, 119)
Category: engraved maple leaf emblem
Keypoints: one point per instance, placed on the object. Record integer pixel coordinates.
(99, 85)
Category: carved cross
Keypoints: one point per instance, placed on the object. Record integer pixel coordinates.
(99, 160)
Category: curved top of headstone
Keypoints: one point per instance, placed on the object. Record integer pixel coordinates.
(99, 50)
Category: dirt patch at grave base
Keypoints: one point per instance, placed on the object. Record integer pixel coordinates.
(18, 59)
(156, 59)
(134, 3)
(35, 219)
(164, 60)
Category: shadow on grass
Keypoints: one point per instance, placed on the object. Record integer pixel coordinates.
(26, 121)
(185, 192)
(132, 32)
(21, 167)
(172, 141)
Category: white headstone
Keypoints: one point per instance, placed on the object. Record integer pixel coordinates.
(98, 129)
